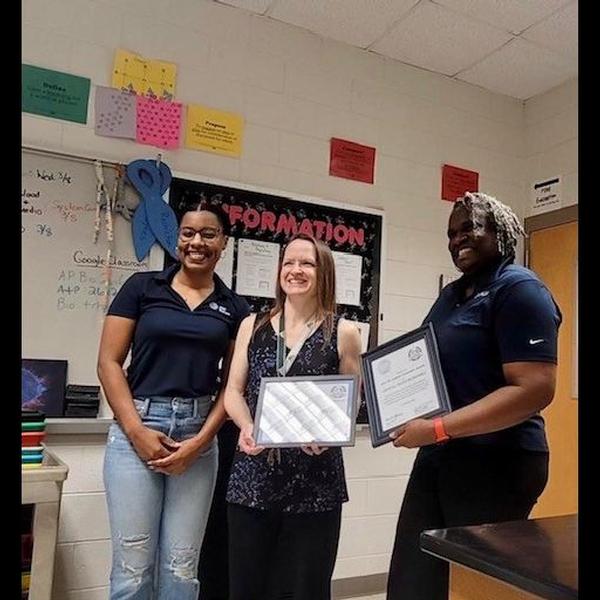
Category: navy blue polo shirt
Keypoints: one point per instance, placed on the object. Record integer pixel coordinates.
(176, 350)
(511, 317)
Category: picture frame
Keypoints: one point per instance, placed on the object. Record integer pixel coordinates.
(403, 380)
(303, 410)
(43, 385)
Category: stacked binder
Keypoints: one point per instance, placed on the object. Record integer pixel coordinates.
(82, 401)
(33, 432)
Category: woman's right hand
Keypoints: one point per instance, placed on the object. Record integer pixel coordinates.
(246, 441)
(151, 444)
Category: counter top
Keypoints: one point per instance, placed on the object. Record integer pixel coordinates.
(539, 556)
(75, 426)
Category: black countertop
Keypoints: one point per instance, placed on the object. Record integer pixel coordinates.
(539, 556)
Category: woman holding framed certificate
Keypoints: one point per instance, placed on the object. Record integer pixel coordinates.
(285, 502)
(487, 460)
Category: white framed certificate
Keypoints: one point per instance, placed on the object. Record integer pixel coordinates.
(296, 411)
(403, 381)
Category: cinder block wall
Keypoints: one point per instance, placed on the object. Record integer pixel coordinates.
(295, 91)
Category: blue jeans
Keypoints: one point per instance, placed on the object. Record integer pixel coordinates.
(158, 521)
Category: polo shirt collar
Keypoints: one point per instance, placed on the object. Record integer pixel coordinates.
(166, 276)
(484, 277)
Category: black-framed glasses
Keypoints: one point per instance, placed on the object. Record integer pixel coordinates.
(207, 234)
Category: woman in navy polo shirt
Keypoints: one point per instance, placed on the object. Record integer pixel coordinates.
(161, 455)
(487, 460)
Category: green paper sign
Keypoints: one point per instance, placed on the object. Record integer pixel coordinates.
(54, 94)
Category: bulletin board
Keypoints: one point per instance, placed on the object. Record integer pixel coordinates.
(62, 282)
(62, 275)
(261, 221)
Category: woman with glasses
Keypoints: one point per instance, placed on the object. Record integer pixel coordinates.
(161, 454)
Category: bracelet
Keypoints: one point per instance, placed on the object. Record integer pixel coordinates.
(440, 432)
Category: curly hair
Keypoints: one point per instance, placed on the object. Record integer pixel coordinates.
(500, 218)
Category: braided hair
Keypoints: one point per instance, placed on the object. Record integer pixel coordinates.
(500, 217)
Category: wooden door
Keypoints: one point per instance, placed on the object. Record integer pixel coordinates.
(553, 256)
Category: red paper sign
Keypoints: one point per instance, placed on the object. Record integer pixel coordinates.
(456, 181)
(351, 160)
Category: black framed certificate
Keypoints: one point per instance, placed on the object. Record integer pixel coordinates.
(296, 411)
(403, 381)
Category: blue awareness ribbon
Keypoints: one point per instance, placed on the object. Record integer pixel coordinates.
(153, 220)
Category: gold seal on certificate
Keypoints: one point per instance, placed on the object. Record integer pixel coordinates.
(296, 411)
(403, 381)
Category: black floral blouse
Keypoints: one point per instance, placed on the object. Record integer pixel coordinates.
(287, 479)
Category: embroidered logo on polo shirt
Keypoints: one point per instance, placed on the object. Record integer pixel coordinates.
(482, 294)
(533, 342)
(219, 308)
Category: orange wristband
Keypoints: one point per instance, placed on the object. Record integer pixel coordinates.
(440, 432)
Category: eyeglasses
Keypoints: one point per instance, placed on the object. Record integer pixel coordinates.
(208, 234)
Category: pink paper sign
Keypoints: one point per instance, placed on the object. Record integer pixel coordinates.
(158, 122)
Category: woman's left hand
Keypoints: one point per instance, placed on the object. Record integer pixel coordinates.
(414, 434)
(313, 449)
(180, 460)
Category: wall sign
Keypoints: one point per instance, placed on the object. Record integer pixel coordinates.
(351, 161)
(545, 196)
(54, 94)
(457, 181)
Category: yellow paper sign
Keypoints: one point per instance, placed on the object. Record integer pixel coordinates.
(214, 130)
(134, 73)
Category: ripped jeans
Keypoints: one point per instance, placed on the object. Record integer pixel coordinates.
(158, 521)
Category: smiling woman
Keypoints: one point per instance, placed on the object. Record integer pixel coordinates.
(179, 323)
(487, 460)
(285, 504)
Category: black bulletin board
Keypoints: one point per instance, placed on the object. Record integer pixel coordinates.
(274, 218)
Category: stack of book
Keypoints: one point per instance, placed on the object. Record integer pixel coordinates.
(82, 401)
(33, 431)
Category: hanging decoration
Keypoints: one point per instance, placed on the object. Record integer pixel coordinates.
(153, 220)
(106, 201)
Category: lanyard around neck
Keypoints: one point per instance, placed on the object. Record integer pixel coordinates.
(285, 359)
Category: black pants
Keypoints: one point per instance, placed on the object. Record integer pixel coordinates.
(456, 486)
(277, 556)
(213, 569)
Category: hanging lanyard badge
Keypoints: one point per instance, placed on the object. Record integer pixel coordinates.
(286, 359)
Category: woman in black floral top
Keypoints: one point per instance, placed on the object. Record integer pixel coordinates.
(285, 505)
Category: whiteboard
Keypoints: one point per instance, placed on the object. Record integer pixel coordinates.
(62, 285)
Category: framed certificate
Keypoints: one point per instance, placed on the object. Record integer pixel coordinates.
(295, 411)
(403, 381)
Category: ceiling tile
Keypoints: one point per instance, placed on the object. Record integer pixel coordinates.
(558, 32)
(255, 6)
(512, 15)
(352, 21)
(520, 69)
(438, 39)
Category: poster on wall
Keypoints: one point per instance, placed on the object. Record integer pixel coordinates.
(257, 268)
(457, 181)
(134, 73)
(54, 94)
(214, 130)
(351, 160)
(261, 223)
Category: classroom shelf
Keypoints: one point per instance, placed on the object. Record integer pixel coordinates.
(42, 487)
